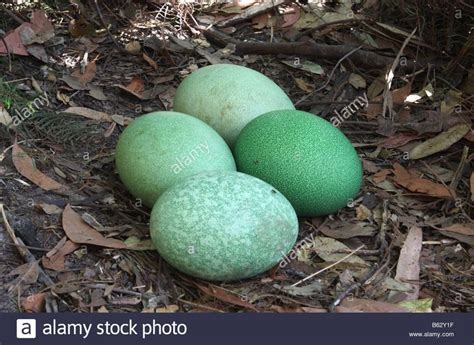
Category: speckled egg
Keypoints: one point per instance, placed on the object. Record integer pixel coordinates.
(305, 157)
(223, 226)
(227, 97)
(160, 149)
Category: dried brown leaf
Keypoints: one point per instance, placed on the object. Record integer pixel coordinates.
(441, 142)
(79, 232)
(225, 296)
(419, 185)
(408, 266)
(353, 305)
(54, 259)
(89, 113)
(26, 167)
(34, 303)
(88, 75)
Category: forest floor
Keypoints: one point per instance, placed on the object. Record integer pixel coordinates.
(73, 76)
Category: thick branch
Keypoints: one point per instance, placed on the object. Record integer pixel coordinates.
(361, 58)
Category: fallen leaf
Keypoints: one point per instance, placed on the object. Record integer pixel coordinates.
(79, 232)
(398, 97)
(54, 259)
(136, 85)
(97, 93)
(303, 85)
(73, 83)
(420, 305)
(5, 118)
(398, 140)
(26, 167)
(351, 305)
(357, 81)
(135, 243)
(311, 289)
(283, 309)
(223, 295)
(381, 175)
(329, 250)
(461, 232)
(38, 30)
(260, 21)
(172, 308)
(89, 113)
(363, 213)
(34, 303)
(307, 66)
(349, 230)
(150, 61)
(50, 209)
(419, 185)
(14, 44)
(27, 274)
(88, 75)
(439, 143)
(291, 16)
(408, 266)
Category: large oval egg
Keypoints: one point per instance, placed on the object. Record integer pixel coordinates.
(160, 149)
(304, 156)
(223, 226)
(227, 97)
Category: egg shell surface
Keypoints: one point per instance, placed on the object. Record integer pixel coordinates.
(227, 97)
(223, 226)
(162, 148)
(305, 157)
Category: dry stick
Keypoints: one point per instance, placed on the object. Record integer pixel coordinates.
(119, 47)
(366, 59)
(382, 244)
(28, 247)
(24, 252)
(391, 74)
(328, 267)
(330, 75)
(8, 53)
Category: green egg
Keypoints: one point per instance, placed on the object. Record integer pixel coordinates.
(162, 148)
(227, 97)
(223, 225)
(305, 157)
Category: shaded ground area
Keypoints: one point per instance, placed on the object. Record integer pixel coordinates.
(73, 239)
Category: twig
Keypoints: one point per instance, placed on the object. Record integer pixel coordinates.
(8, 52)
(353, 287)
(328, 267)
(391, 74)
(24, 252)
(199, 305)
(330, 75)
(29, 247)
(119, 47)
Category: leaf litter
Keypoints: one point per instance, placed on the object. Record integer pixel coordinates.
(418, 176)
